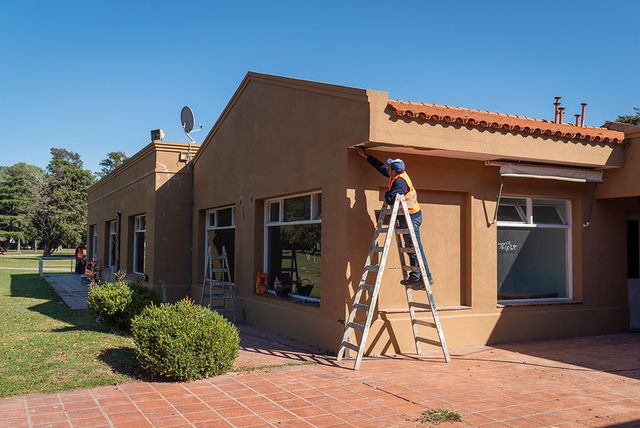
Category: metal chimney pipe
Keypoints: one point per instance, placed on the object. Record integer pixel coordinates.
(556, 104)
(560, 114)
(584, 109)
(577, 119)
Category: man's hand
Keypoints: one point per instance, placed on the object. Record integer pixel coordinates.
(361, 152)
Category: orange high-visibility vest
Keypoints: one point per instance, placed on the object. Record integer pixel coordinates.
(411, 196)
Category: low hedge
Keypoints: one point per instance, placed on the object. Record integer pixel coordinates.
(184, 341)
(116, 303)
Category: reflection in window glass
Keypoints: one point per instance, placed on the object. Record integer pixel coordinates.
(224, 217)
(297, 209)
(216, 239)
(274, 211)
(549, 212)
(294, 256)
(509, 213)
(532, 263)
(317, 214)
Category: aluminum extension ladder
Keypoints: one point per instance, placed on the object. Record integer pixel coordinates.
(219, 291)
(360, 303)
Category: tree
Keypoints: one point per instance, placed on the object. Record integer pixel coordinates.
(19, 189)
(113, 161)
(60, 215)
(631, 119)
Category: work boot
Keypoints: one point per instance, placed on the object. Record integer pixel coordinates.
(413, 282)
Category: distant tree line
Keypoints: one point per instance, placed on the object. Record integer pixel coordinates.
(48, 207)
(631, 119)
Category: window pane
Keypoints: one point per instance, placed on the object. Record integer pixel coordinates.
(295, 256)
(140, 252)
(112, 250)
(549, 212)
(317, 215)
(296, 209)
(224, 217)
(211, 222)
(532, 263)
(216, 239)
(274, 211)
(509, 213)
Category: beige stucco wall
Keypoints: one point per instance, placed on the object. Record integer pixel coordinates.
(624, 182)
(156, 183)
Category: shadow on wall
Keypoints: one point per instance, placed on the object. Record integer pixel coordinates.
(31, 286)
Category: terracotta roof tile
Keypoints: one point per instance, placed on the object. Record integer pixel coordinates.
(501, 121)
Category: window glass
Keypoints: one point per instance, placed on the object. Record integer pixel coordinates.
(141, 249)
(274, 211)
(113, 239)
(532, 263)
(297, 209)
(224, 217)
(216, 240)
(294, 256)
(509, 213)
(512, 209)
(549, 212)
(317, 215)
(212, 219)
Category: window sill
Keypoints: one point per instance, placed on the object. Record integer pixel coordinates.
(440, 309)
(292, 298)
(505, 303)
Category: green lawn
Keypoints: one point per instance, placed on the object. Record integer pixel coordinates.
(45, 347)
(29, 259)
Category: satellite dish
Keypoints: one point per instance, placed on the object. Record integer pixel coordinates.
(187, 119)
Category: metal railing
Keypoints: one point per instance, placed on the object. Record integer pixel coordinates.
(42, 260)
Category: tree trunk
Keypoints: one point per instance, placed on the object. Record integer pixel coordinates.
(46, 252)
(18, 248)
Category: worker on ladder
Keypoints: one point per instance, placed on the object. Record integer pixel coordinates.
(399, 182)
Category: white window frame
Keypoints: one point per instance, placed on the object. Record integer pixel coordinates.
(209, 227)
(136, 230)
(113, 236)
(529, 224)
(94, 242)
(268, 223)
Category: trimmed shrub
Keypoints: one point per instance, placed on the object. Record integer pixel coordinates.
(116, 303)
(184, 341)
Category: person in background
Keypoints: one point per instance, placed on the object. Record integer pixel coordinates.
(80, 258)
(399, 182)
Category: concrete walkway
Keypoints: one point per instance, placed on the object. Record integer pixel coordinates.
(591, 381)
(69, 288)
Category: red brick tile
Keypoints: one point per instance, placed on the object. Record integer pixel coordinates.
(126, 417)
(213, 424)
(48, 418)
(205, 416)
(84, 414)
(233, 412)
(14, 423)
(324, 420)
(308, 411)
(278, 417)
(52, 425)
(12, 413)
(171, 421)
(247, 421)
(90, 422)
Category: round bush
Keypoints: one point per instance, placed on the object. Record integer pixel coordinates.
(184, 341)
(116, 303)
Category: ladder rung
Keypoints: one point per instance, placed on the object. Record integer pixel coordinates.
(351, 346)
(372, 268)
(429, 341)
(424, 323)
(407, 250)
(386, 211)
(383, 229)
(217, 270)
(402, 231)
(356, 326)
(367, 287)
(361, 307)
(378, 249)
(420, 305)
(410, 268)
(218, 257)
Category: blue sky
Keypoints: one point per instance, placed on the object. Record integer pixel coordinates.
(96, 76)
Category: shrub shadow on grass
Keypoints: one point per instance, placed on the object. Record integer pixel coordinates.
(31, 286)
(122, 360)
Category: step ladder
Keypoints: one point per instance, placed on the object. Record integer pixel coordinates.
(217, 285)
(366, 288)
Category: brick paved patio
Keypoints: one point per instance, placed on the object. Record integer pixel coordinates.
(577, 382)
